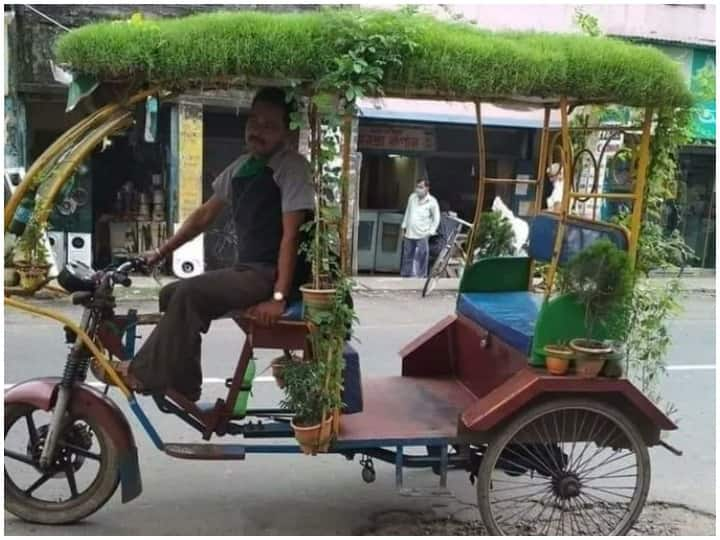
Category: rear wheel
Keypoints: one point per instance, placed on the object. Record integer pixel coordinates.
(567, 467)
(82, 477)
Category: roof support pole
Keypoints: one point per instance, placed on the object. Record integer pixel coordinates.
(567, 162)
(543, 158)
(345, 192)
(640, 182)
(480, 198)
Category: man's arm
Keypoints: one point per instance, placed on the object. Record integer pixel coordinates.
(436, 216)
(270, 311)
(287, 257)
(403, 226)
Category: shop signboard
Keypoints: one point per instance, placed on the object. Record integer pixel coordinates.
(703, 123)
(397, 138)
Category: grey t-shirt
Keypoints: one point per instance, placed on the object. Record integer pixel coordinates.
(291, 172)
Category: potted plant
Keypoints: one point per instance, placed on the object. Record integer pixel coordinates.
(322, 234)
(494, 237)
(312, 420)
(557, 358)
(600, 279)
(32, 255)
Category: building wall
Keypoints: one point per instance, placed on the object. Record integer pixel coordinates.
(691, 23)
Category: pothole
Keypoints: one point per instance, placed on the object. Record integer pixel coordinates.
(657, 519)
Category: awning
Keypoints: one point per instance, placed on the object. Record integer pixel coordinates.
(452, 112)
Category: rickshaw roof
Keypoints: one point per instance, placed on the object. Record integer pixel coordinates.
(451, 60)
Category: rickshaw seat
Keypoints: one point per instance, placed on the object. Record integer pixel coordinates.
(293, 312)
(510, 315)
(579, 234)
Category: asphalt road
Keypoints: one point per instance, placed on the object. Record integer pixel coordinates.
(325, 495)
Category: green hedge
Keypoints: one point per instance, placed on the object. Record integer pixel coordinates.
(453, 59)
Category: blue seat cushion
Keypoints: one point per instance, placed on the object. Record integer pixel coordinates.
(293, 311)
(510, 316)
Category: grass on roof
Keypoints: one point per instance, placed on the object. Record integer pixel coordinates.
(452, 59)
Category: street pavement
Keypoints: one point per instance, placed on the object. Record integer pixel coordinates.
(325, 495)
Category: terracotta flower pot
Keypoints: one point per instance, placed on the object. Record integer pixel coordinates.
(12, 278)
(313, 439)
(316, 301)
(278, 365)
(557, 359)
(590, 356)
(32, 276)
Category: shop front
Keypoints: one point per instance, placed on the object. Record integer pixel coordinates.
(438, 143)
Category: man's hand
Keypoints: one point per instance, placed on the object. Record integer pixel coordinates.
(152, 258)
(267, 313)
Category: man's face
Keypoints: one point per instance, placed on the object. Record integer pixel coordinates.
(266, 129)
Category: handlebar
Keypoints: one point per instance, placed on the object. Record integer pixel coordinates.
(460, 221)
(119, 276)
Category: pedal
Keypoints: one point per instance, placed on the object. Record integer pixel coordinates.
(206, 451)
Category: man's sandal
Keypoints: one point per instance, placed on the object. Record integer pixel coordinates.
(117, 365)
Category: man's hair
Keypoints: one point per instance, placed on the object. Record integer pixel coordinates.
(277, 98)
(423, 181)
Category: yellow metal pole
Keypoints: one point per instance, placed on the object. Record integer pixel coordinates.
(567, 182)
(540, 179)
(640, 182)
(345, 190)
(87, 341)
(542, 161)
(59, 145)
(480, 183)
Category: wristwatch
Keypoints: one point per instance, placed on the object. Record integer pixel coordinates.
(278, 296)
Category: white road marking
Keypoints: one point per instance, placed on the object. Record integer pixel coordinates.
(270, 379)
(692, 367)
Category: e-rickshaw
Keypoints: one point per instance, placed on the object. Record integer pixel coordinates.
(551, 455)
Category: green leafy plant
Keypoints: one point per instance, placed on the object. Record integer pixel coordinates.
(30, 247)
(600, 278)
(645, 333)
(494, 237)
(303, 379)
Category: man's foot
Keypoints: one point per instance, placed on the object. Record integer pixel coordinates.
(123, 369)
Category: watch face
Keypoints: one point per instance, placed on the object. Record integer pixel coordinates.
(278, 296)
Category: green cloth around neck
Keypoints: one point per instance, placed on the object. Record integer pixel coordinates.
(252, 167)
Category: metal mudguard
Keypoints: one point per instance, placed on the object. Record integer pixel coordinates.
(42, 393)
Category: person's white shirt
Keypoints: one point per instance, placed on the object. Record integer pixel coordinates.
(422, 217)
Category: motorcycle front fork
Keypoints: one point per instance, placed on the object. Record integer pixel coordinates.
(74, 359)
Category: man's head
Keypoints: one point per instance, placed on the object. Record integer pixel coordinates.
(422, 188)
(269, 124)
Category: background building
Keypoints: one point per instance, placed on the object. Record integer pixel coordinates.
(395, 141)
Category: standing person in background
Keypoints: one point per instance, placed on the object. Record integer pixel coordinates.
(422, 217)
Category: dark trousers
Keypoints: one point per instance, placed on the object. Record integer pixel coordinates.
(170, 357)
(414, 261)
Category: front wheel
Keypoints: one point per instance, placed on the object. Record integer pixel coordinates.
(437, 270)
(566, 467)
(83, 476)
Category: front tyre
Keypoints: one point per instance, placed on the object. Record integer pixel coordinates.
(83, 476)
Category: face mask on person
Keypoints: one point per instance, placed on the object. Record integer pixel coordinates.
(421, 192)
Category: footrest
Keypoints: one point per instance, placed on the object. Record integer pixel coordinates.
(205, 451)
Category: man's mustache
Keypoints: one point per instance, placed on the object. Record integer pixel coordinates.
(255, 139)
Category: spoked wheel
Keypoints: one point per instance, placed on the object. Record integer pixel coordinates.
(437, 270)
(83, 476)
(567, 467)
